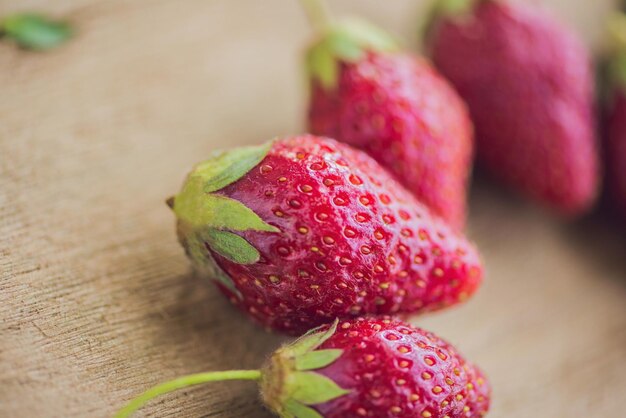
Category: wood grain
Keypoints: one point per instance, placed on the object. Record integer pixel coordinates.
(96, 298)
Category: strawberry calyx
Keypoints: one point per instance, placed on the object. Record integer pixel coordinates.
(289, 384)
(454, 7)
(317, 12)
(616, 68)
(445, 9)
(345, 41)
(208, 219)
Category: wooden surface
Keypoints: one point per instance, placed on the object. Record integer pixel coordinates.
(96, 298)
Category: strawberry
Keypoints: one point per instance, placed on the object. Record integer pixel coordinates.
(305, 229)
(529, 86)
(364, 367)
(396, 107)
(616, 115)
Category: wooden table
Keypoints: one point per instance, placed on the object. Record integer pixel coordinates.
(96, 297)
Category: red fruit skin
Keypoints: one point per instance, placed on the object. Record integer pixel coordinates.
(616, 151)
(395, 370)
(529, 86)
(352, 241)
(397, 108)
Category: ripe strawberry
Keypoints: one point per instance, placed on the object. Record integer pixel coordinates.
(529, 86)
(364, 367)
(396, 107)
(392, 369)
(616, 116)
(306, 229)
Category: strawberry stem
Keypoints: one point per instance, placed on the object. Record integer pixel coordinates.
(317, 12)
(183, 382)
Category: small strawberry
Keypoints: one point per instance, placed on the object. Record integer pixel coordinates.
(395, 106)
(616, 116)
(365, 367)
(305, 229)
(529, 86)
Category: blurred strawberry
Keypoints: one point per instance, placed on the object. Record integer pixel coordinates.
(529, 86)
(395, 106)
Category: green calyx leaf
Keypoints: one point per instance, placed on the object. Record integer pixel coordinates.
(294, 409)
(346, 41)
(312, 339)
(317, 359)
(198, 206)
(205, 263)
(226, 167)
(35, 31)
(322, 66)
(199, 209)
(232, 246)
(207, 219)
(443, 9)
(454, 7)
(290, 385)
(214, 218)
(311, 388)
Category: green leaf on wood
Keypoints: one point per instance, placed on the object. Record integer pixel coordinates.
(232, 246)
(35, 31)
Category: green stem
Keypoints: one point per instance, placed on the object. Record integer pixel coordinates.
(317, 13)
(183, 382)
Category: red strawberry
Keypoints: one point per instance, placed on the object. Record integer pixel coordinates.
(529, 86)
(365, 367)
(395, 106)
(616, 123)
(394, 370)
(306, 229)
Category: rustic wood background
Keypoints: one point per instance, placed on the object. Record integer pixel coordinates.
(96, 298)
